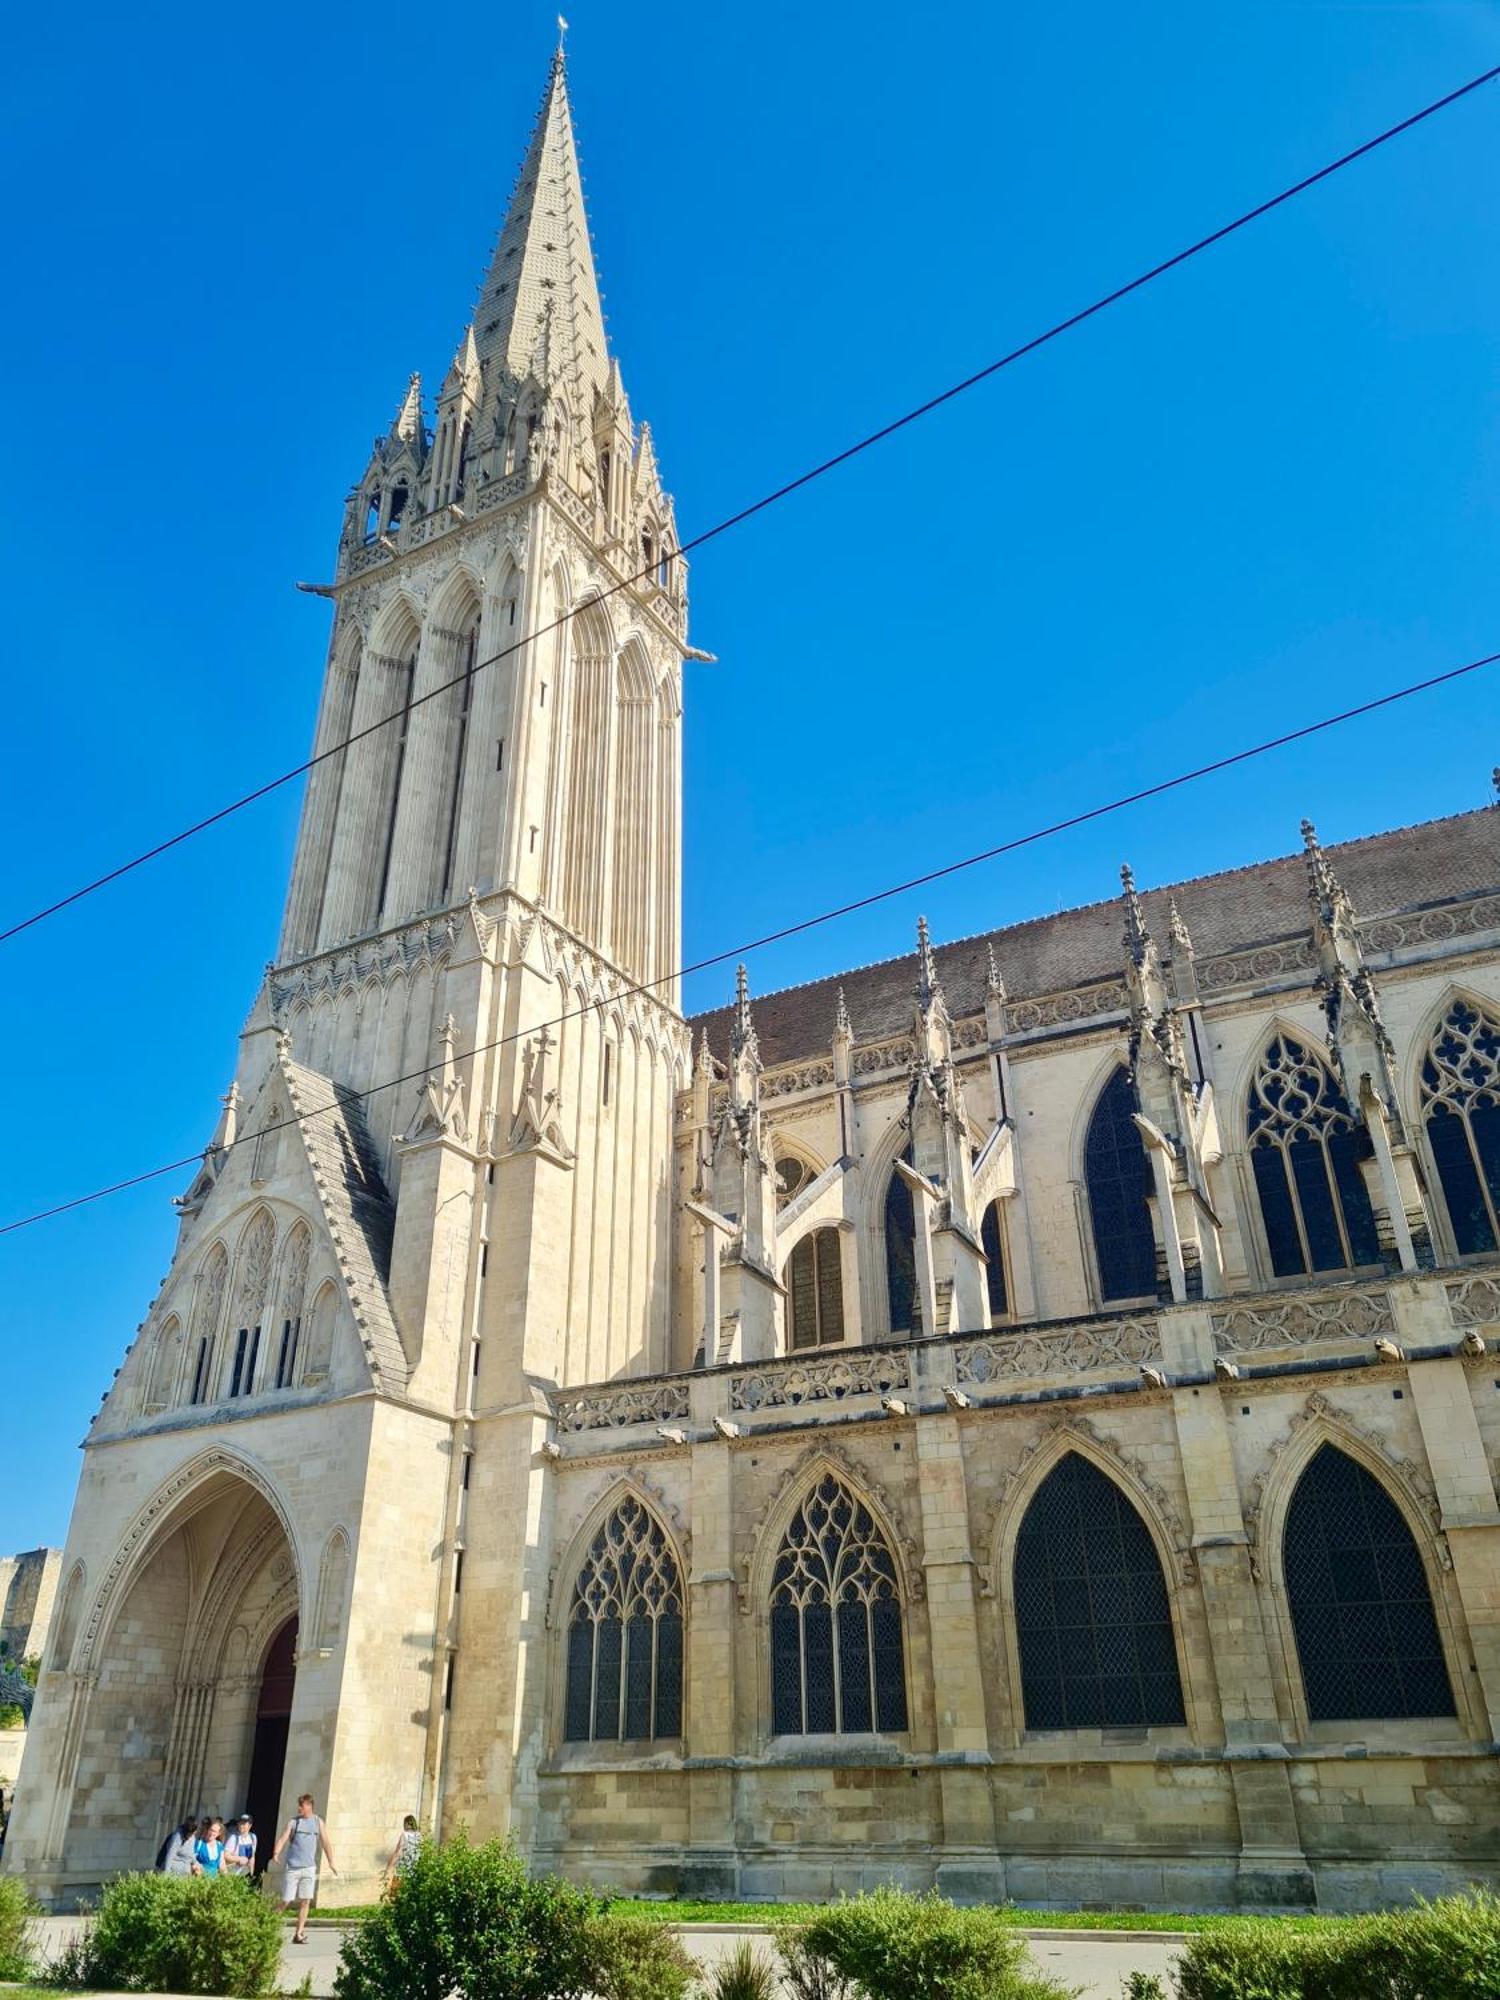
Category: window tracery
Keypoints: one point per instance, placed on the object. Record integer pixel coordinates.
(1305, 1144)
(624, 1667)
(1461, 1107)
(1367, 1639)
(837, 1649)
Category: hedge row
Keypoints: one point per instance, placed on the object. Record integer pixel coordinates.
(1449, 1950)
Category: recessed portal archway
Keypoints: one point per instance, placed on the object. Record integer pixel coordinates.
(196, 1641)
(273, 1721)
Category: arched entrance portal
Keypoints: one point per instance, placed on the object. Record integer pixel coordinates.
(184, 1663)
(273, 1721)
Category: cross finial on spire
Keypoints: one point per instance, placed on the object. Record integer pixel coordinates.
(562, 36)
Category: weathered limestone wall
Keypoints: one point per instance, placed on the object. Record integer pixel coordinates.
(28, 1594)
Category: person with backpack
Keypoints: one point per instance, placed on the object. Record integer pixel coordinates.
(175, 1855)
(302, 1838)
(239, 1848)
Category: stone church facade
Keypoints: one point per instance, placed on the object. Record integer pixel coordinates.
(1022, 1416)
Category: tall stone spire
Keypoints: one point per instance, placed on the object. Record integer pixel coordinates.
(544, 258)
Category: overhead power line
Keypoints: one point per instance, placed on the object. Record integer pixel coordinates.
(777, 494)
(865, 902)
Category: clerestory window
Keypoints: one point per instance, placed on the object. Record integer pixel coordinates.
(815, 1290)
(1461, 1104)
(1305, 1145)
(1118, 1177)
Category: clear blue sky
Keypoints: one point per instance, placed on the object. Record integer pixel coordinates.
(1263, 488)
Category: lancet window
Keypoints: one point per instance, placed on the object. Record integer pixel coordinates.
(401, 681)
(1093, 1623)
(1367, 1639)
(1305, 1145)
(992, 1237)
(815, 1290)
(901, 1254)
(1461, 1104)
(624, 1672)
(837, 1651)
(468, 657)
(1118, 1176)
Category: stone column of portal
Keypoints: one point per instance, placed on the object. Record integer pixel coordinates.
(710, 1869)
(359, 838)
(1272, 1867)
(427, 778)
(970, 1868)
(1456, 1457)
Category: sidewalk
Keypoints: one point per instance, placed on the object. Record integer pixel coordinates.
(1095, 1961)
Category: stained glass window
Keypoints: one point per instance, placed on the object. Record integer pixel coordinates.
(1461, 1102)
(815, 1290)
(1118, 1176)
(837, 1653)
(1367, 1639)
(1093, 1623)
(992, 1235)
(1305, 1146)
(901, 1254)
(624, 1677)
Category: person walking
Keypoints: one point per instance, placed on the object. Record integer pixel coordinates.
(301, 1839)
(175, 1855)
(404, 1853)
(208, 1848)
(239, 1848)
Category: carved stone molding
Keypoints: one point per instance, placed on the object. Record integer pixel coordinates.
(789, 1384)
(801, 1076)
(616, 1409)
(1432, 926)
(1083, 1003)
(1299, 1321)
(1252, 968)
(860, 1483)
(1123, 1343)
(428, 942)
(1473, 1301)
(1316, 1409)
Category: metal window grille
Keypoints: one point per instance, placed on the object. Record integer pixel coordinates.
(624, 1675)
(1305, 1145)
(815, 1290)
(1461, 1102)
(1367, 1639)
(837, 1650)
(1118, 1177)
(1093, 1622)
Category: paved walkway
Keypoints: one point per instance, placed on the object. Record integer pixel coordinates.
(1096, 1961)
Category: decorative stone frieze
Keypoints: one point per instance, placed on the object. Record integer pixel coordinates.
(616, 1409)
(1460, 919)
(782, 1385)
(1053, 1010)
(1474, 1301)
(1295, 1322)
(1070, 1350)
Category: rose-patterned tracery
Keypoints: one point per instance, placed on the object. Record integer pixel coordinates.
(624, 1679)
(1461, 1104)
(1305, 1144)
(837, 1657)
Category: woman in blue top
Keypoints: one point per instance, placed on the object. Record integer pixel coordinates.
(208, 1850)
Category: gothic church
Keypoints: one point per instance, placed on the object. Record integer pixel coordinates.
(1021, 1418)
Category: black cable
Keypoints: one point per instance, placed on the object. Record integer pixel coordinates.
(806, 923)
(780, 493)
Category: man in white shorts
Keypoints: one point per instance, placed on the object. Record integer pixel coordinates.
(303, 1836)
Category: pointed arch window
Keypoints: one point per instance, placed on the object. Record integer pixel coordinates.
(815, 1290)
(992, 1237)
(1118, 1177)
(468, 650)
(402, 682)
(901, 1254)
(1367, 1639)
(1461, 1104)
(397, 508)
(1305, 1145)
(1093, 1622)
(624, 1673)
(837, 1650)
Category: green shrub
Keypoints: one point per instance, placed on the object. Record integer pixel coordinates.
(16, 1938)
(636, 1959)
(1145, 1986)
(892, 1946)
(806, 1976)
(179, 1934)
(1242, 1959)
(472, 1921)
(744, 1975)
(1449, 1950)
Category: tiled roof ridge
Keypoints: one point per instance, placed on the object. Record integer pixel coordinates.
(947, 945)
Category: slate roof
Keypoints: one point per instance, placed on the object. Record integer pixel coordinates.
(1437, 861)
(357, 1208)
